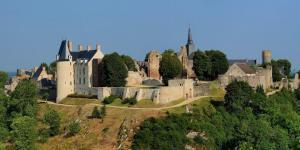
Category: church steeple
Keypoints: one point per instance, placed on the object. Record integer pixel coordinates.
(190, 40)
(190, 46)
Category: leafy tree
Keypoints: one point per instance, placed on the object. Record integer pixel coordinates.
(201, 65)
(96, 113)
(275, 71)
(52, 119)
(24, 133)
(23, 100)
(74, 127)
(297, 93)
(114, 71)
(170, 66)
(129, 62)
(238, 95)
(218, 61)
(284, 67)
(3, 78)
(52, 67)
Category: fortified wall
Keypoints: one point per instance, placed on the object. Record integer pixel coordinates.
(177, 89)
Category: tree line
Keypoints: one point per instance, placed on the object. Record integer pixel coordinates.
(246, 119)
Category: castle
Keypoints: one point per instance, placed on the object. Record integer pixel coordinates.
(253, 74)
(78, 72)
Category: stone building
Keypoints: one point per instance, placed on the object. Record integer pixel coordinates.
(153, 65)
(254, 75)
(77, 70)
(185, 55)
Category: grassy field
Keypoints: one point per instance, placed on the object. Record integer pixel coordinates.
(94, 134)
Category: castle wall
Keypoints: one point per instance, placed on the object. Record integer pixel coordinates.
(65, 79)
(168, 94)
(153, 65)
(202, 90)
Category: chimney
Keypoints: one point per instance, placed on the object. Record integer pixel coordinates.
(89, 47)
(80, 47)
(70, 45)
(98, 47)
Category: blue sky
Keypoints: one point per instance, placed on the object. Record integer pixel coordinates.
(31, 30)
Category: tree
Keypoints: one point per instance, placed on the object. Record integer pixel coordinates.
(24, 132)
(284, 66)
(114, 71)
(201, 65)
(74, 127)
(219, 63)
(96, 113)
(170, 66)
(52, 119)
(238, 95)
(52, 67)
(3, 78)
(129, 62)
(275, 71)
(24, 99)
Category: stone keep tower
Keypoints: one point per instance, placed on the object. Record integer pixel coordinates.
(65, 70)
(266, 56)
(153, 65)
(266, 59)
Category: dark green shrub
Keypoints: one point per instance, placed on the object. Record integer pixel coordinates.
(199, 140)
(96, 113)
(109, 99)
(131, 101)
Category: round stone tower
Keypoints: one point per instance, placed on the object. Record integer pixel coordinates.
(65, 71)
(266, 56)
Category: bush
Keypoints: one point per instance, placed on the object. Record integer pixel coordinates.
(96, 113)
(199, 140)
(131, 101)
(74, 127)
(109, 99)
(52, 119)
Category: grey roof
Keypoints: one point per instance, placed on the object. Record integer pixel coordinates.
(246, 68)
(64, 51)
(84, 54)
(37, 73)
(246, 61)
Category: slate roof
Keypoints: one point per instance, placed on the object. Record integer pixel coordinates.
(64, 51)
(85, 54)
(246, 68)
(37, 73)
(246, 61)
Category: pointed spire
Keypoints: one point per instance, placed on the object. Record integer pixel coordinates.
(190, 40)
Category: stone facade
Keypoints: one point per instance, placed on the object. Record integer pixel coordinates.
(254, 76)
(153, 65)
(177, 89)
(76, 70)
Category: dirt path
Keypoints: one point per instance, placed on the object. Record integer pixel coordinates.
(134, 108)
